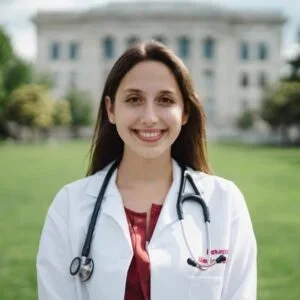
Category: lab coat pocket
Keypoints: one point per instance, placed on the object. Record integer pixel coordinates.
(205, 287)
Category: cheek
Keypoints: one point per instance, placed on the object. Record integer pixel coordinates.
(174, 116)
(124, 116)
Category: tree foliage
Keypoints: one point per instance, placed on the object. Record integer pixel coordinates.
(31, 105)
(6, 50)
(81, 109)
(281, 105)
(246, 120)
(14, 72)
(62, 113)
(17, 73)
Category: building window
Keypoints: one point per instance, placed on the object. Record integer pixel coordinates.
(160, 39)
(244, 51)
(244, 80)
(55, 50)
(74, 50)
(262, 80)
(209, 79)
(73, 80)
(184, 47)
(108, 47)
(132, 40)
(209, 48)
(262, 51)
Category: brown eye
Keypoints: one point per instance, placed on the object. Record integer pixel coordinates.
(166, 100)
(133, 100)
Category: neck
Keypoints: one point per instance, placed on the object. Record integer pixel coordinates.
(138, 170)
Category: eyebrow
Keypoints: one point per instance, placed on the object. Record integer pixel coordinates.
(133, 90)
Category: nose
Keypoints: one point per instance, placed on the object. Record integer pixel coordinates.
(149, 114)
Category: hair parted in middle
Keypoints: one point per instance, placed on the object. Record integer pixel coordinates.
(189, 148)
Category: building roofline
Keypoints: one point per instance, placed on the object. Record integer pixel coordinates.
(149, 10)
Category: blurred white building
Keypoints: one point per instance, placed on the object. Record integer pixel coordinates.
(231, 55)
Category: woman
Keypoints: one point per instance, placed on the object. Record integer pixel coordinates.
(150, 126)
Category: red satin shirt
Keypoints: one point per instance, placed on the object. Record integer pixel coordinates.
(138, 276)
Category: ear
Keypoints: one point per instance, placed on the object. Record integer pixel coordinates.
(110, 110)
(185, 118)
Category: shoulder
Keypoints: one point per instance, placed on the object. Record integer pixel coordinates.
(76, 193)
(220, 191)
(89, 185)
(212, 182)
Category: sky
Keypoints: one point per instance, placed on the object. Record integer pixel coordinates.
(16, 16)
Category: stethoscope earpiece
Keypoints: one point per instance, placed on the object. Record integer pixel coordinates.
(193, 263)
(221, 259)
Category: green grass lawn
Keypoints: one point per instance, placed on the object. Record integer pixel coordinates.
(30, 175)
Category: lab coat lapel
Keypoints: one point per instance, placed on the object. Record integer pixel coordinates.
(113, 207)
(112, 204)
(168, 213)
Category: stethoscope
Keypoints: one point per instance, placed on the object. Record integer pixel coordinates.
(84, 265)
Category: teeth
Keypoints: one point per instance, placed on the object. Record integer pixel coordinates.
(149, 134)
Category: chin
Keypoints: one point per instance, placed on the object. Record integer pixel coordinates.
(150, 153)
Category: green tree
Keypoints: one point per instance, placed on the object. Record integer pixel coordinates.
(281, 103)
(6, 56)
(14, 72)
(6, 50)
(81, 110)
(30, 105)
(62, 113)
(246, 120)
(281, 106)
(295, 73)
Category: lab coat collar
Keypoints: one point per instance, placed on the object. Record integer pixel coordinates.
(96, 180)
(168, 213)
(112, 204)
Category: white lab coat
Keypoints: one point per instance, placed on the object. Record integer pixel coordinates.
(231, 230)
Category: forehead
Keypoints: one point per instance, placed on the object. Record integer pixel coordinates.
(149, 76)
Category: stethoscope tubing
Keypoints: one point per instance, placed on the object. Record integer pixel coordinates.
(88, 241)
(186, 176)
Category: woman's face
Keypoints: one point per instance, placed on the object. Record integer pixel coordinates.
(148, 110)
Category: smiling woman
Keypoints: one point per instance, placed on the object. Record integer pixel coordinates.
(151, 88)
(148, 158)
(147, 114)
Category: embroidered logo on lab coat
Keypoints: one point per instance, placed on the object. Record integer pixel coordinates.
(215, 253)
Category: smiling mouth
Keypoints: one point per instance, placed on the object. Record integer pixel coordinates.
(149, 135)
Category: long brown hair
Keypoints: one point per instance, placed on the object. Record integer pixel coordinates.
(190, 146)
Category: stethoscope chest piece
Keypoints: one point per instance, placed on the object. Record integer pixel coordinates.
(82, 266)
(75, 266)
